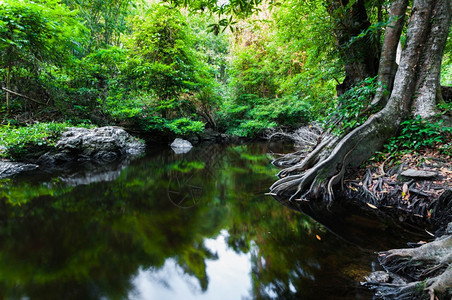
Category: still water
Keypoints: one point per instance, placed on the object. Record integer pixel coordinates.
(185, 226)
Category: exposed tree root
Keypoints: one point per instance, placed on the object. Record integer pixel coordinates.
(306, 138)
(306, 135)
(420, 273)
(325, 166)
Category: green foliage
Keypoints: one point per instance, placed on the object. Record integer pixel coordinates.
(185, 126)
(35, 32)
(37, 40)
(19, 141)
(159, 82)
(258, 114)
(353, 107)
(89, 82)
(417, 134)
(226, 12)
(105, 20)
(445, 108)
(274, 75)
(162, 56)
(446, 66)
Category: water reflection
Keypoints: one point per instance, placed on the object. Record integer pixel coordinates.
(185, 226)
(170, 282)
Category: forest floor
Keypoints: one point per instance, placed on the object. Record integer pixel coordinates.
(416, 187)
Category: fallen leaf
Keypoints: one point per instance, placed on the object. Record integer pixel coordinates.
(405, 189)
(318, 237)
(405, 192)
(429, 232)
(444, 170)
(371, 205)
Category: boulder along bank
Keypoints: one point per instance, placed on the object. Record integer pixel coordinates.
(101, 146)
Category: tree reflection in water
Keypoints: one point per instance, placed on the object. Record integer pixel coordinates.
(119, 236)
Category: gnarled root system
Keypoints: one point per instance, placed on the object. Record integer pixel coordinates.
(325, 166)
(421, 273)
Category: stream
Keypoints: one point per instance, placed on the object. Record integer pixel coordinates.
(180, 226)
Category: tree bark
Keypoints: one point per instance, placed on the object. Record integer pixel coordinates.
(430, 65)
(316, 175)
(8, 86)
(388, 65)
(360, 56)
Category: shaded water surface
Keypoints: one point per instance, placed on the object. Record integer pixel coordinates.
(167, 226)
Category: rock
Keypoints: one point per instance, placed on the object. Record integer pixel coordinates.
(97, 146)
(449, 228)
(8, 168)
(210, 135)
(46, 160)
(89, 172)
(181, 146)
(106, 156)
(418, 173)
(103, 144)
(378, 276)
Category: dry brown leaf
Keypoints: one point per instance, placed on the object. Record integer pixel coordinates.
(445, 170)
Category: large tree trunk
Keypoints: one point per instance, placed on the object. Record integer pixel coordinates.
(361, 55)
(428, 86)
(316, 175)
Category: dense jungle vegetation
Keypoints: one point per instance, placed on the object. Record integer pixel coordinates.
(177, 69)
(161, 69)
(358, 82)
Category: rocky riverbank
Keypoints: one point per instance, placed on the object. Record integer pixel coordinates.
(99, 146)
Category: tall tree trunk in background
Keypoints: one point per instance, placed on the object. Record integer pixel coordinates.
(8, 76)
(361, 55)
(8, 86)
(388, 65)
(427, 31)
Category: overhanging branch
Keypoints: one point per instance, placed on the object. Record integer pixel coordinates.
(22, 96)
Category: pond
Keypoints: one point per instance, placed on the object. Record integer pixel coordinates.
(179, 226)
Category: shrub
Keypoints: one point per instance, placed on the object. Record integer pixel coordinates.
(353, 107)
(418, 133)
